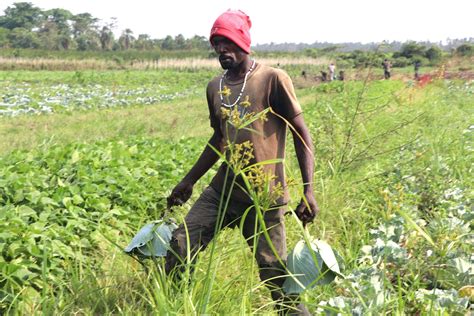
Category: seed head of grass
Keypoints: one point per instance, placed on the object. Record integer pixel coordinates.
(245, 103)
(225, 92)
(240, 156)
(225, 113)
(260, 182)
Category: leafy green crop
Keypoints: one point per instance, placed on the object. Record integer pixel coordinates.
(56, 204)
(43, 93)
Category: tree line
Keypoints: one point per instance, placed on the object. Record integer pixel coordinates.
(448, 45)
(24, 25)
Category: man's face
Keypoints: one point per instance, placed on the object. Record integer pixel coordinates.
(230, 55)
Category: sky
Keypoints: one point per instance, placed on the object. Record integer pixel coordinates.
(296, 21)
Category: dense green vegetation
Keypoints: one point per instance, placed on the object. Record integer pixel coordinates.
(393, 182)
(24, 25)
(87, 157)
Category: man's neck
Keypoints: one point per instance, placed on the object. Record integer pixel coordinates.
(239, 71)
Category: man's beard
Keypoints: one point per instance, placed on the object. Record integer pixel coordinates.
(226, 62)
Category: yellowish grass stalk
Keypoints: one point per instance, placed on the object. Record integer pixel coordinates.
(7, 63)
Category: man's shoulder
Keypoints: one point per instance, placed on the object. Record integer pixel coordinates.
(272, 71)
(214, 82)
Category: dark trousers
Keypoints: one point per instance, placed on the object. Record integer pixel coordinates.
(200, 228)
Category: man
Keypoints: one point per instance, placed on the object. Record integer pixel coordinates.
(324, 76)
(417, 66)
(332, 71)
(341, 75)
(386, 68)
(251, 88)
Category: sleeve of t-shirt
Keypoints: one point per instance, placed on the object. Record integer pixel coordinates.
(214, 120)
(284, 101)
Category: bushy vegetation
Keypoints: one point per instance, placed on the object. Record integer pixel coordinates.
(393, 164)
(117, 56)
(465, 50)
(24, 25)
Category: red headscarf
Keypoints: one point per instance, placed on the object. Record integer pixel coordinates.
(234, 25)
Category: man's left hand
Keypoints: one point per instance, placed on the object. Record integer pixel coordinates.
(307, 209)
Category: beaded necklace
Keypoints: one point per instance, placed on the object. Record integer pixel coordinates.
(241, 90)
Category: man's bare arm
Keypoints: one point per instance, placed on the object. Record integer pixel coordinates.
(183, 190)
(308, 207)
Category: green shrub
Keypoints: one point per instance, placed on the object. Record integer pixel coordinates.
(434, 53)
(465, 50)
(401, 62)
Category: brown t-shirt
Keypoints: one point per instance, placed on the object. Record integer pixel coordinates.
(265, 87)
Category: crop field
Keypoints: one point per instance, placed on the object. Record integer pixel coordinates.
(88, 157)
(39, 93)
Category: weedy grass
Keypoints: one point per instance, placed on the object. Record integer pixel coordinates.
(165, 121)
(127, 103)
(393, 165)
(117, 63)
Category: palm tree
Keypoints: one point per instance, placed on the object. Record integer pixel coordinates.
(106, 38)
(126, 39)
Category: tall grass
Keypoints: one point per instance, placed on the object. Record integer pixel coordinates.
(19, 63)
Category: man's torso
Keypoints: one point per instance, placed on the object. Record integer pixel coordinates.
(268, 89)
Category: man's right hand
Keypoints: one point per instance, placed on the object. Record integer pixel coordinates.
(180, 194)
(307, 209)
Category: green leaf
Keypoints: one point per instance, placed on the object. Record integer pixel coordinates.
(76, 156)
(308, 266)
(60, 183)
(133, 150)
(77, 199)
(416, 227)
(463, 266)
(48, 201)
(25, 211)
(34, 196)
(328, 256)
(67, 201)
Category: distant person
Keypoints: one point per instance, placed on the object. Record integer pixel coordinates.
(324, 76)
(341, 75)
(332, 71)
(417, 66)
(387, 67)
